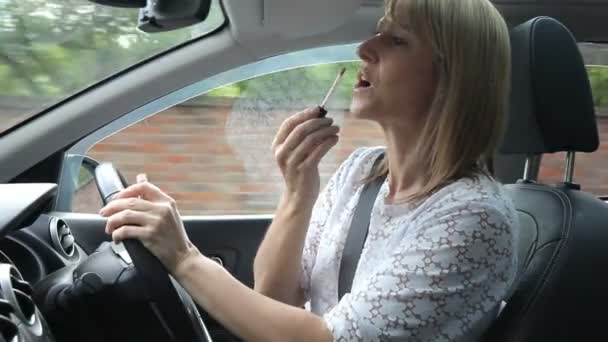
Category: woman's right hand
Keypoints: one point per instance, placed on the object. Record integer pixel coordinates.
(302, 140)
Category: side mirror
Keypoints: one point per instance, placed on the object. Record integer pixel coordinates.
(85, 197)
(92, 184)
(109, 181)
(86, 173)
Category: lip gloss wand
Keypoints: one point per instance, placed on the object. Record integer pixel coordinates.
(330, 92)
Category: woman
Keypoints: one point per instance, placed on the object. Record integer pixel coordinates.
(439, 255)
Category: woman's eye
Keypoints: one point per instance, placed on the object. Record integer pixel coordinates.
(397, 40)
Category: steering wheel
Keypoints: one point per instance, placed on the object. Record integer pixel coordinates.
(171, 303)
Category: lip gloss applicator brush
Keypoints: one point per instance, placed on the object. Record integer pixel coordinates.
(330, 92)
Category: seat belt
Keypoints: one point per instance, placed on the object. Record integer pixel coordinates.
(357, 234)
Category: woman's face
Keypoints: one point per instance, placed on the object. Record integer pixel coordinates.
(397, 80)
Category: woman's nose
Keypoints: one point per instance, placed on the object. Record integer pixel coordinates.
(367, 50)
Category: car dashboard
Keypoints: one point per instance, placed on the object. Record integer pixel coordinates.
(33, 245)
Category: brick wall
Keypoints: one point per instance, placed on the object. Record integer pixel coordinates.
(591, 169)
(213, 159)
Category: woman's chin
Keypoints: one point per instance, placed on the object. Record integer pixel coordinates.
(360, 110)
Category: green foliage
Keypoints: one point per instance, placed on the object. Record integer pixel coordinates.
(230, 90)
(51, 49)
(308, 82)
(598, 75)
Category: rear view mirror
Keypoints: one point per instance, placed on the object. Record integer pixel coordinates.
(164, 15)
(122, 3)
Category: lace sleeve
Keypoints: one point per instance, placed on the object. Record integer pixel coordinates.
(450, 268)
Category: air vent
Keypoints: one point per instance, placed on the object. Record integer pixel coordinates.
(18, 293)
(8, 328)
(61, 237)
(4, 259)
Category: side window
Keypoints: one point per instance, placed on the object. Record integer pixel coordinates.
(212, 152)
(590, 168)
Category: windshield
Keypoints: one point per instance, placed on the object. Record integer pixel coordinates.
(51, 49)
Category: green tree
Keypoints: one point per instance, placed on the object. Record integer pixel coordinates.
(598, 76)
(51, 49)
(298, 86)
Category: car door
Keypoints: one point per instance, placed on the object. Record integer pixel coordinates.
(208, 146)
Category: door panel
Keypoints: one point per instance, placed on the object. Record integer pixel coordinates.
(233, 239)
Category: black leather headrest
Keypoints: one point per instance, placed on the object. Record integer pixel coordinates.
(551, 108)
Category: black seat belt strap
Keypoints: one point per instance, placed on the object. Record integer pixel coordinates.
(357, 234)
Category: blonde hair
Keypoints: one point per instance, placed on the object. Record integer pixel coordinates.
(472, 56)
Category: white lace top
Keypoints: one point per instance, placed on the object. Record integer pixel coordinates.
(426, 273)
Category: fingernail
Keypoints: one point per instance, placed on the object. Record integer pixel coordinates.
(142, 177)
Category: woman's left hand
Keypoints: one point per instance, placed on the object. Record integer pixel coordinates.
(144, 212)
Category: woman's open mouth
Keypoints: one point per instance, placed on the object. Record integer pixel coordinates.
(362, 82)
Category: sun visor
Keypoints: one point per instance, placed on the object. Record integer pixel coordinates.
(311, 16)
